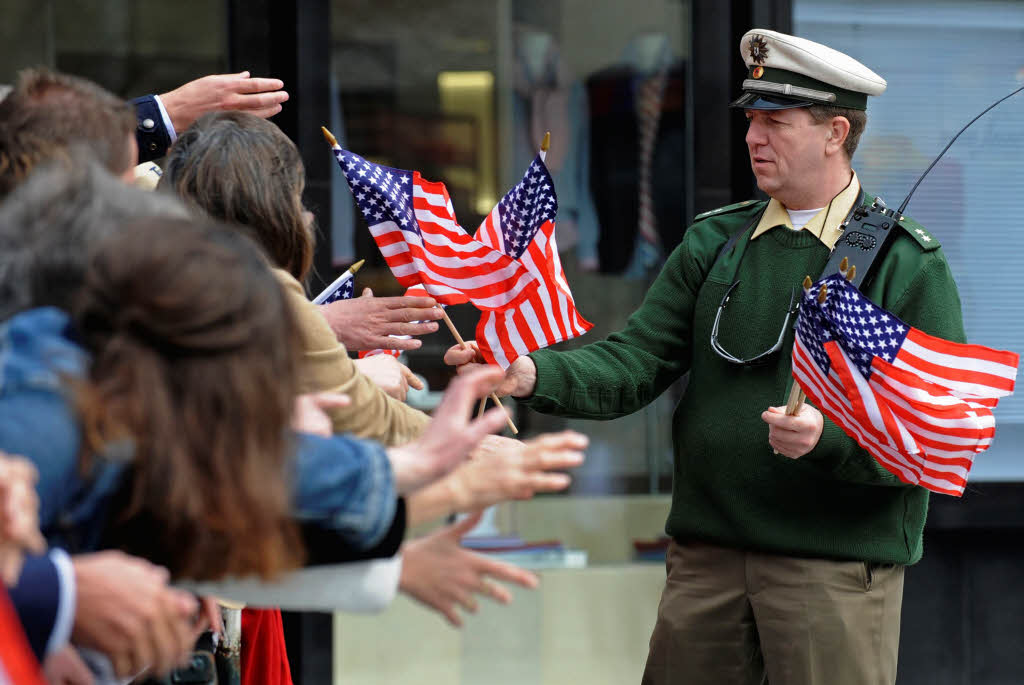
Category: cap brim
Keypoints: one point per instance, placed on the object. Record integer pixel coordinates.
(762, 101)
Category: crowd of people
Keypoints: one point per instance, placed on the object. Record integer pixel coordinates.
(175, 409)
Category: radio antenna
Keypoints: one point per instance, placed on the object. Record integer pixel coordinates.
(903, 207)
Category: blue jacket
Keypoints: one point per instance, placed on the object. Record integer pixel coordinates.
(339, 484)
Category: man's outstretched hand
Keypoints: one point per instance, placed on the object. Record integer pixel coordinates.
(520, 377)
(221, 92)
(365, 323)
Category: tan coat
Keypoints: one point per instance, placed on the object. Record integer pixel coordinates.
(327, 367)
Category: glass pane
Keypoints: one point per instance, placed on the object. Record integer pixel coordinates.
(464, 93)
(130, 47)
(972, 59)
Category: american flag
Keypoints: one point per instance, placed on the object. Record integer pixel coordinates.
(522, 225)
(341, 289)
(414, 225)
(922, 406)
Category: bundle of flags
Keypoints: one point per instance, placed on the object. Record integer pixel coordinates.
(509, 269)
(922, 406)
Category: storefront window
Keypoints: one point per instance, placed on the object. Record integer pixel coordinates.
(464, 93)
(130, 47)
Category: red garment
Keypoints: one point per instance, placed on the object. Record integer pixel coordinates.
(264, 657)
(17, 663)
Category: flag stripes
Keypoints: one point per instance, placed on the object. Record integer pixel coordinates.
(922, 406)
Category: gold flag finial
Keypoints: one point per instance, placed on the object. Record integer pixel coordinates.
(355, 267)
(328, 136)
(844, 265)
(807, 283)
(546, 143)
(851, 272)
(822, 294)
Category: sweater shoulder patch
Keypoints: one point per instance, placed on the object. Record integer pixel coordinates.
(925, 239)
(728, 209)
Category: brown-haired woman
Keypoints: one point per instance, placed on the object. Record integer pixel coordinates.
(194, 363)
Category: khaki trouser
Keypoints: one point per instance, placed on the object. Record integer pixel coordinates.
(729, 617)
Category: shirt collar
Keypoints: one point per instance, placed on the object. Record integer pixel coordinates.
(828, 232)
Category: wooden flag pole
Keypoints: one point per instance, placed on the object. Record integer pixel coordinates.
(462, 343)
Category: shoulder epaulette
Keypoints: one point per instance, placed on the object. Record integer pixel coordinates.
(725, 210)
(915, 230)
(918, 232)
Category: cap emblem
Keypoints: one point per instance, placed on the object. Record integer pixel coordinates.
(758, 72)
(758, 48)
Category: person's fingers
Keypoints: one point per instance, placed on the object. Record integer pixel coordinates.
(210, 610)
(10, 564)
(457, 355)
(367, 293)
(495, 592)
(412, 314)
(448, 611)
(780, 421)
(466, 389)
(258, 85)
(492, 421)
(249, 103)
(427, 304)
(567, 439)
(548, 482)
(266, 112)
(549, 460)
(420, 328)
(464, 598)
(389, 343)
(465, 525)
(122, 664)
(506, 572)
(411, 378)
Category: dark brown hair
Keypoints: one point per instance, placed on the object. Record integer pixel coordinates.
(48, 112)
(244, 170)
(858, 120)
(193, 365)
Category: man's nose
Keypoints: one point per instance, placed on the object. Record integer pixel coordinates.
(755, 134)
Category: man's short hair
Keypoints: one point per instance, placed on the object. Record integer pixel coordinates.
(858, 120)
(48, 112)
(50, 222)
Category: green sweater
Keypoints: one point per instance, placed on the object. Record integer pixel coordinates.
(729, 487)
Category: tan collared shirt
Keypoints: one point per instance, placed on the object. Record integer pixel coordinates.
(825, 224)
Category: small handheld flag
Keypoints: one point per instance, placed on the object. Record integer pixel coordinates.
(922, 406)
(342, 288)
(522, 225)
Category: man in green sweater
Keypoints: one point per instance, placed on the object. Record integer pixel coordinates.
(788, 540)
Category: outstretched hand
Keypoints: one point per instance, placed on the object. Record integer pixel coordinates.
(221, 92)
(520, 377)
(368, 322)
(440, 573)
(451, 434)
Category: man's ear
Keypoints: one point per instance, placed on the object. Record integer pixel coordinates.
(835, 136)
